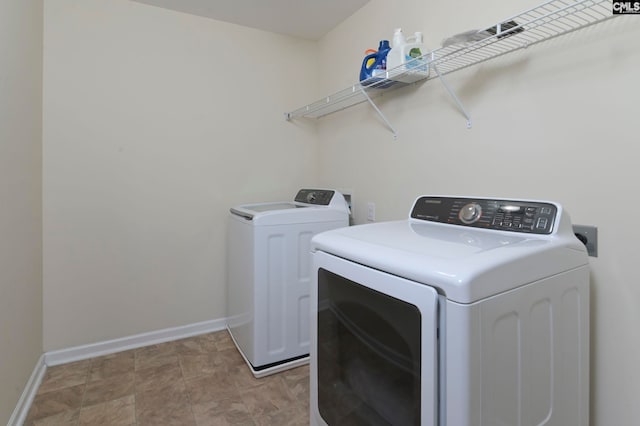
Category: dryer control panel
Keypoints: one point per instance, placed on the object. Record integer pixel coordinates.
(504, 215)
(320, 197)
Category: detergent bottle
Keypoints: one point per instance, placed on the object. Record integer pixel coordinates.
(415, 49)
(404, 61)
(374, 65)
(396, 55)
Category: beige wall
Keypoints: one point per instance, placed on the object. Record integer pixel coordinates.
(155, 124)
(20, 197)
(556, 121)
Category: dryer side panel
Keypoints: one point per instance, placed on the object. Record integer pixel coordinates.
(525, 355)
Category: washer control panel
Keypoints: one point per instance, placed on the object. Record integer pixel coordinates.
(504, 215)
(321, 197)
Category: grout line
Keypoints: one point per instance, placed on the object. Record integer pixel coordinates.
(135, 385)
(86, 385)
(186, 391)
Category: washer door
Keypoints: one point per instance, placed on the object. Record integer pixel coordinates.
(374, 347)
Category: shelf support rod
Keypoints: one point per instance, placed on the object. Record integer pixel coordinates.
(366, 95)
(453, 95)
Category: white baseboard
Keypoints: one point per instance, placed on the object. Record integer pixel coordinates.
(93, 350)
(26, 399)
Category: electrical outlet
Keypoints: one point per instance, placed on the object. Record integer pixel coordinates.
(589, 237)
(371, 212)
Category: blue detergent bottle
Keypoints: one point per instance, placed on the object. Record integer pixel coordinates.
(371, 72)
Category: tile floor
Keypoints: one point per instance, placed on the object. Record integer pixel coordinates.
(198, 381)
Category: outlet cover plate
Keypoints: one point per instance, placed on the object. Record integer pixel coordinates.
(371, 212)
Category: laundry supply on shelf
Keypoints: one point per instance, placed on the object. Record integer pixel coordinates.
(405, 61)
(371, 60)
(374, 65)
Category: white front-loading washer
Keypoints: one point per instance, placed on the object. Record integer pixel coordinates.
(269, 276)
(473, 312)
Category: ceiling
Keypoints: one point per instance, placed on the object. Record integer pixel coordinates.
(310, 19)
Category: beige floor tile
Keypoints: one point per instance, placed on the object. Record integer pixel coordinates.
(215, 387)
(55, 402)
(108, 366)
(258, 401)
(297, 382)
(228, 411)
(155, 355)
(206, 409)
(118, 412)
(199, 365)
(66, 418)
(156, 378)
(291, 416)
(64, 376)
(223, 341)
(191, 346)
(213, 338)
(198, 345)
(231, 357)
(168, 406)
(243, 378)
(277, 392)
(214, 420)
(297, 373)
(115, 387)
(199, 381)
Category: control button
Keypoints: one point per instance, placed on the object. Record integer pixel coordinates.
(530, 211)
(470, 213)
(545, 210)
(542, 223)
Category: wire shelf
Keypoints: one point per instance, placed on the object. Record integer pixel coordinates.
(548, 20)
(350, 96)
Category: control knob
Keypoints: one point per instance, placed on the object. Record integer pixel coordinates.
(470, 213)
(311, 197)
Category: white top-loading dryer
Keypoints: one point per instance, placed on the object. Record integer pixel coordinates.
(473, 312)
(269, 275)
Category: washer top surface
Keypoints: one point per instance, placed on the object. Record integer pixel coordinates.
(466, 262)
(309, 205)
(267, 207)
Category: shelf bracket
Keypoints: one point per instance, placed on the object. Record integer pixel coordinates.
(366, 95)
(453, 95)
